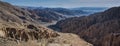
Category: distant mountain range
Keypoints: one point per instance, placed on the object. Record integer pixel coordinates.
(91, 10)
(100, 29)
(54, 14)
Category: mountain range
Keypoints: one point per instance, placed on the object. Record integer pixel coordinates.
(49, 14)
(53, 14)
(100, 29)
(85, 26)
(21, 27)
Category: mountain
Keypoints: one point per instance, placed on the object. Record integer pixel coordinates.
(49, 15)
(20, 28)
(17, 23)
(60, 11)
(100, 29)
(91, 10)
(68, 12)
(46, 15)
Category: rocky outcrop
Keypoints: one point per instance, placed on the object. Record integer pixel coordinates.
(64, 39)
(27, 34)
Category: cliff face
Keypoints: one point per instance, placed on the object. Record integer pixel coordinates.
(100, 29)
(18, 28)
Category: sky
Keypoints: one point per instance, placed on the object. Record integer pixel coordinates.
(65, 3)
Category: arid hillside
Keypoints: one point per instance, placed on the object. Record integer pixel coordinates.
(19, 28)
(100, 29)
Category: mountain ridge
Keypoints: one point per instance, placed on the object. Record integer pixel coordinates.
(19, 28)
(100, 29)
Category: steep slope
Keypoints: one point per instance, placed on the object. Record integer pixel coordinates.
(100, 29)
(19, 28)
(9, 13)
(17, 23)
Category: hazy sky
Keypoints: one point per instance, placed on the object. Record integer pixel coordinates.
(66, 3)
